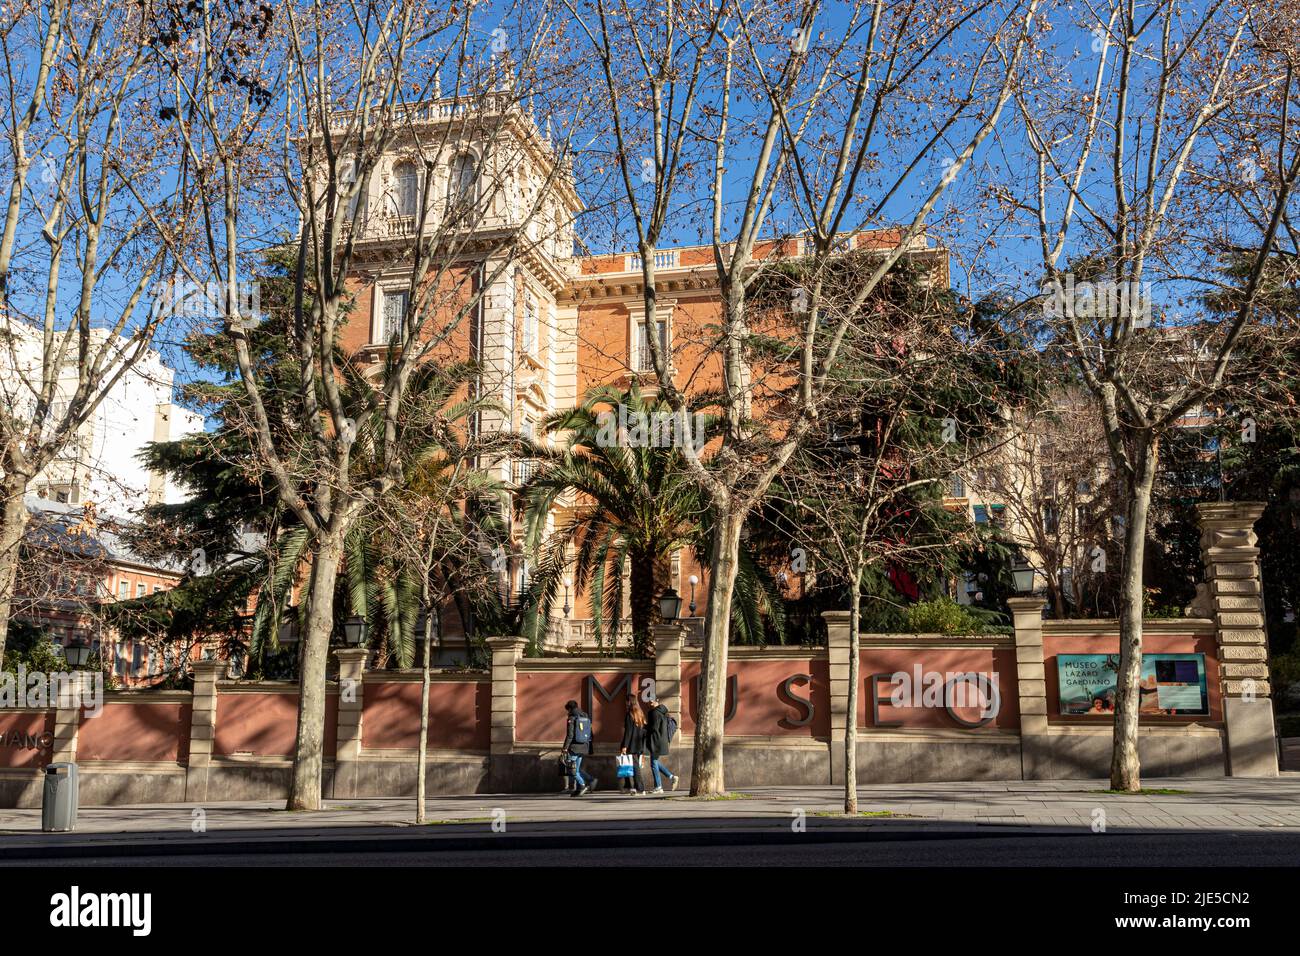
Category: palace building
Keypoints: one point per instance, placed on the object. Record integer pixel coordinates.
(553, 323)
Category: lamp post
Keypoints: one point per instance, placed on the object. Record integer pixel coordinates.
(77, 652)
(354, 631)
(670, 605)
(1022, 572)
(694, 581)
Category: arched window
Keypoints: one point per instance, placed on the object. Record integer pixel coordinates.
(462, 186)
(408, 189)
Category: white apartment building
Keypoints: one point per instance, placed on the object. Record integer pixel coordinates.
(100, 465)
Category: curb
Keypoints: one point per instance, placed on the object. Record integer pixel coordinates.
(459, 840)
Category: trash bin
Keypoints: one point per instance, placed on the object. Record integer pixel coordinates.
(59, 803)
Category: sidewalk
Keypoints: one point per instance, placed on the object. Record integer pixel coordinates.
(1219, 803)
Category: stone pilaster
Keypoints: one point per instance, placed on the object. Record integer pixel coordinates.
(1031, 685)
(67, 718)
(668, 667)
(1230, 551)
(203, 728)
(506, 652)
(347, 753)
(837, 646)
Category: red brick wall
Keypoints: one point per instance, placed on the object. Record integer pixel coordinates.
(1000, 661)
(136, 731)
(34, 723)
(265, 724)
(460, 715)
(762, 708)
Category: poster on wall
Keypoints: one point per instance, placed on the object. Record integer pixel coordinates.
(1172, 685)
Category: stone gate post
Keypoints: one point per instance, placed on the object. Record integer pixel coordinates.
(1231, 555)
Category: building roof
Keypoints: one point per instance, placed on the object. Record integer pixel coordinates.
(68, 528)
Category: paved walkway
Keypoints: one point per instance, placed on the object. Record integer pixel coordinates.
(1199, 804)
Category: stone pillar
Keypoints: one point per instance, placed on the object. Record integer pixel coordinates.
(67, 718)
(347, 753)
(1231, 555)
(203, 728)
(1031, 684)
(837, 646)
(506, 652)
(668, 667)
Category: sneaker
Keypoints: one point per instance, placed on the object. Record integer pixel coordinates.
(657, 790)
(581, 791)
(591, 786)
(673, 784)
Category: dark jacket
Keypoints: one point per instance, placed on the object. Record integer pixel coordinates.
(633, 736)
(570, 746)
(656, 731)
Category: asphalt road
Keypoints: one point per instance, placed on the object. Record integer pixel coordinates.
(1021, 847)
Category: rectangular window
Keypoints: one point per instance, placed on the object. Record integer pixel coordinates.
(981, 515)
(157, 588)
(1051, 517)
(123, 590)
(643, 361)
(141, 589)
(394, 318)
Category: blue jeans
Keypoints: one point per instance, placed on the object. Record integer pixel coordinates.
(579, 778)
(656, 768)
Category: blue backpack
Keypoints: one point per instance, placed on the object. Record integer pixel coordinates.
(581, 729)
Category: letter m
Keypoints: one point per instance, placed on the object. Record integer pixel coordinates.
(593, 685)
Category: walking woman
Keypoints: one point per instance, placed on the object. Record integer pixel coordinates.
(633, 744)
(660, 728)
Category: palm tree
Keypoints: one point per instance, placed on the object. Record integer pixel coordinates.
(634, 505)
(431, 535)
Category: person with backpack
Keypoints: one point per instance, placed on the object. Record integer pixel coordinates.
(578, 744)
(660, 728)
(633, 745)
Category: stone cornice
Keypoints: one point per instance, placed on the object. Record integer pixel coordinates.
(583, 665)
(435, 677)
(1110, 626)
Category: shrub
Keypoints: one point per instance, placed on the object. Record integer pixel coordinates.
(943, 616)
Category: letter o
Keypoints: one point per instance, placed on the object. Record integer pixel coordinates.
(984, 685)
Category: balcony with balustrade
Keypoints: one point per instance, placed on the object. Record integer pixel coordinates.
(663, 259)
